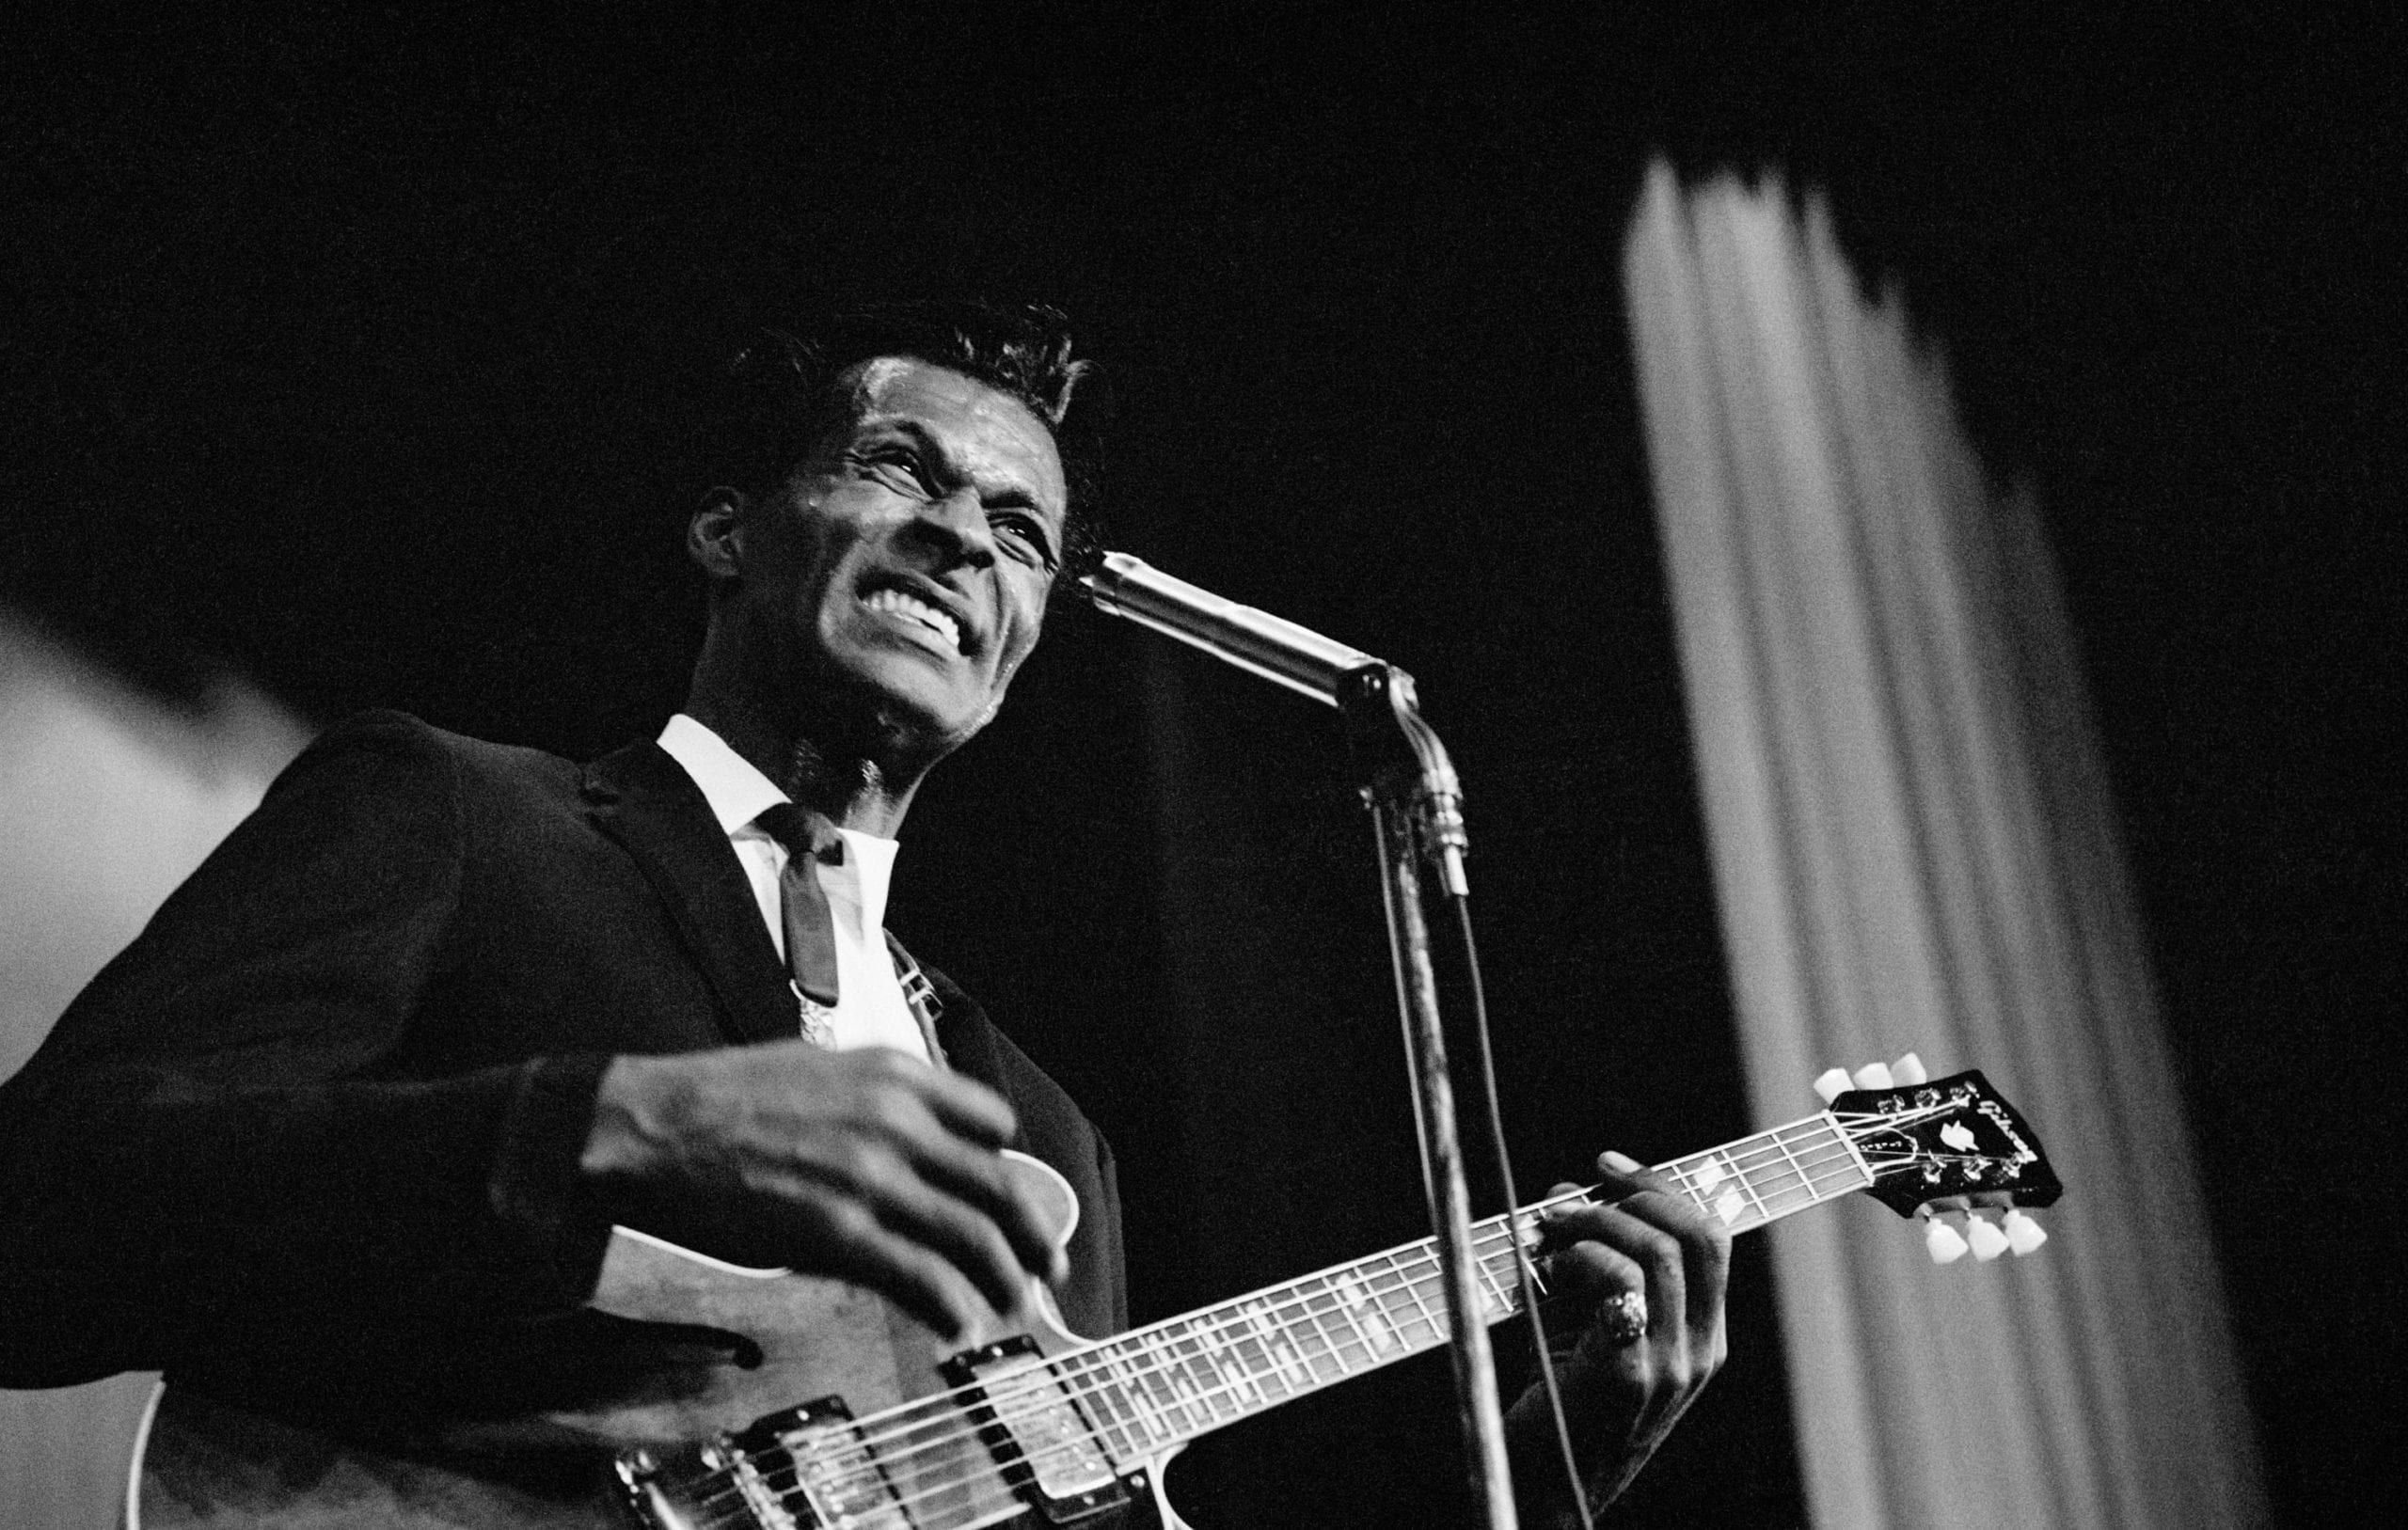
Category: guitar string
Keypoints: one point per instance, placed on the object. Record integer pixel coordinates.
(1048, 1393)
(1050, 1398)
(1213, 1337)
(1216, 1337)
(1291, 1295)
(1214, 1329)
(1210, 1325)
(908, 1491)
(910, 1494)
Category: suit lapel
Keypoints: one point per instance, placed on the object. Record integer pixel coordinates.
(969, 1040)
(646, 803)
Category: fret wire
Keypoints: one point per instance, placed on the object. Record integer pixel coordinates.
(1141, 1396)
(1182, 1375)
(1281, 1361)
(1438, 1329)
(1290, 1351)
(1161, 1385)
(1115, 1375)
(1107, 1405)
(1350, 1333)
(1248, 1385)
(1310, 1331)
(1136, 1430)
(1253, 1373)
(1313, 1314)
(1182, 1380)
(1220, 1346)
(1394, 1316)
(1796, 1168)
(1303, 1330)
(1679, 1170)
(1747, 1182)
(1352, 1304)
(1207, 1381)
(1275, 1365)
(1397, 1314)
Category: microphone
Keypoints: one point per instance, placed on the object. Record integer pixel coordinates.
(1276, 649)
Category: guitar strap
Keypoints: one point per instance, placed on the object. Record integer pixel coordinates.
(921, 996)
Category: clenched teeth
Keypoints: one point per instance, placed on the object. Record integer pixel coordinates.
(897, 603)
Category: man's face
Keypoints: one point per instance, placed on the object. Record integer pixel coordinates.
(910, 558)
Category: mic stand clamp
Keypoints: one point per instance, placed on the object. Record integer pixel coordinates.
(1417, 816)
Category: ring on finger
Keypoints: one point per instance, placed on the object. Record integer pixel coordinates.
(1623, 1317)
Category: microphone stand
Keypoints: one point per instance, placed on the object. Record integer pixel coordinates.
(1417, 817)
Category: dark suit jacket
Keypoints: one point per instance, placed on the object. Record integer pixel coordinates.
(329, 1105)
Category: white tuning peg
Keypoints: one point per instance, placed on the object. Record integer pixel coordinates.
(1945, 1243)
(1874, 1075)
(1833, 1085)
(2024, 1235)
(1986, 1240)
(1908, 1071)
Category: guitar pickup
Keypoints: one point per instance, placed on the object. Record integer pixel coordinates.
(1040, 1433)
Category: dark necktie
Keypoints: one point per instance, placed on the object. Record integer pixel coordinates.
(811, 841)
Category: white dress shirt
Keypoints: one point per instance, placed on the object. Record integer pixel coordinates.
(870, 1008)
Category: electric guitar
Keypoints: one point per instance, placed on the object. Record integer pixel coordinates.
(767, 1400)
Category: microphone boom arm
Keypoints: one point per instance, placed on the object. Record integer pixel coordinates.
(1297, 658)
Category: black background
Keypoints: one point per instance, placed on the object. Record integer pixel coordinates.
(346, 355)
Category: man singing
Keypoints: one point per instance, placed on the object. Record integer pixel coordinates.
(337, 1144)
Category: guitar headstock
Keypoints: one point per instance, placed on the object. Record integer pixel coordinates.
(1945, 1146)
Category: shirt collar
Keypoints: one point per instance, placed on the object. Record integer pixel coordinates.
(738, 793)
(732, 785)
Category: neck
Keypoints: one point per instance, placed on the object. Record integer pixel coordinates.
(851, 786)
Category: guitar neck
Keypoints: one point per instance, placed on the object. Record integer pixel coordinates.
(1161, 1386)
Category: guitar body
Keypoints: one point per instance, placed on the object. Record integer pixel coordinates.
(677, 1347)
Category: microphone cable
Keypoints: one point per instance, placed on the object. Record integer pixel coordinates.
(1528, 1286)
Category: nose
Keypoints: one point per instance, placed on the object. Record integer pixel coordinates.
(957, 522)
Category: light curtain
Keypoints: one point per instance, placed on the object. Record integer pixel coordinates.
(1914, 851)
(107, 801)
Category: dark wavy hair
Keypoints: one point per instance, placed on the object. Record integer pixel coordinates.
(784, 391)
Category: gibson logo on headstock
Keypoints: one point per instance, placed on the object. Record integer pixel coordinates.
(1950, 1137)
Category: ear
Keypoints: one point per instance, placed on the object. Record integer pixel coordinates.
(715, 537)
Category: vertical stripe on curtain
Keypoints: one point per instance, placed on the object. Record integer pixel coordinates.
(1914, 851)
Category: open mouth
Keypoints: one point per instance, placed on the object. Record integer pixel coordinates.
(910, 607)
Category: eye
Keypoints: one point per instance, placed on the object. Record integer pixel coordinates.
(1027, 534)
(894, 461)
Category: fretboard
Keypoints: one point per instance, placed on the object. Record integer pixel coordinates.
(1158, 1386)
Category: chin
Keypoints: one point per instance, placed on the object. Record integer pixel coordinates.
(909, 715)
